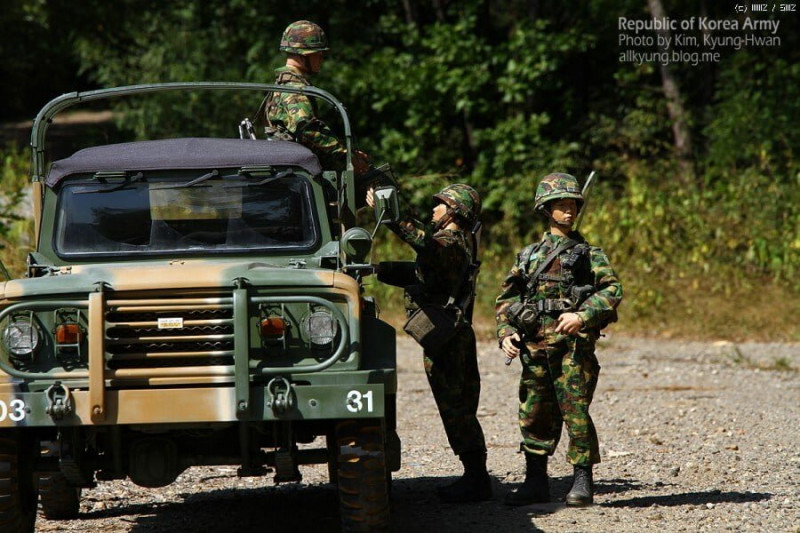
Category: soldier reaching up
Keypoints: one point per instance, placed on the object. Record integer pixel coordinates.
(293, 116)
(446, 256)
(558, 296)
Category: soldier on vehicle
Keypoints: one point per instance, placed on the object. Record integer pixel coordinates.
(557, 297)
(294, 116)
(446, 266)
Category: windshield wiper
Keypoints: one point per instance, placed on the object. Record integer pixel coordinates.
(128, 180)
(268, 179)
(201, 179)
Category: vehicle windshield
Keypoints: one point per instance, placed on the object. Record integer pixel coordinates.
(161, 217)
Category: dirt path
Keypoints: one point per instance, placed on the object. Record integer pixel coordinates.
(694, 437)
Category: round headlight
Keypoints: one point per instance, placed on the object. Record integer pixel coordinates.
(21, 338)
(320, 328)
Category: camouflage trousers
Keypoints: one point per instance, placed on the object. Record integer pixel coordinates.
(556, 387)
(455, 382)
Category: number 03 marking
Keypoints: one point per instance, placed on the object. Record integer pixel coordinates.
(14, 410)
(356, 400)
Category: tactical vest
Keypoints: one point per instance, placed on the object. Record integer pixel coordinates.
(567, 279)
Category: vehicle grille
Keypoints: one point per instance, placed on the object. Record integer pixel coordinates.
(135, 340)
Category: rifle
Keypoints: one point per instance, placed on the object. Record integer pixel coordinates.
(587, 187)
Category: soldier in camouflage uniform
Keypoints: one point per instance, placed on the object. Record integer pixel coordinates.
(445, 249)
(294, 116)
(558, 296)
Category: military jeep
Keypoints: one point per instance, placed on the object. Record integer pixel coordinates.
(193, 301)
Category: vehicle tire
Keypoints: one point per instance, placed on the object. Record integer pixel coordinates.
(60, 501)
(17, 488)
(362, 480)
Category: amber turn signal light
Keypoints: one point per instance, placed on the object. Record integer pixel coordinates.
(68, 334)
(272, 326)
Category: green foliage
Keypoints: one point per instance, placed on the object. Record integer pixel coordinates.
(752, 127)
(496, 95)
(16, 225)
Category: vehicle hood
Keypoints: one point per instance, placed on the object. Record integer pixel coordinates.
(177, 274)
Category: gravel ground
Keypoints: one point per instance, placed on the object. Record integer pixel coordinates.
(694, 437)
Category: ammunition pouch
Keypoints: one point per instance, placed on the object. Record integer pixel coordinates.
(526, 317)
(523, 317)
(578, 294)
(432, 325)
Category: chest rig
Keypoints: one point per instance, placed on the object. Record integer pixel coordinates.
(563, 277)
(560, 283)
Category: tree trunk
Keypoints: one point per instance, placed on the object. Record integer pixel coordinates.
(411, 11)
(677, 113)
(437, 6)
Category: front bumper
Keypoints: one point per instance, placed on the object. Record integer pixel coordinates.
(359, 394)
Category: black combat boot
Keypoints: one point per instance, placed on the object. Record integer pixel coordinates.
(582, 492)
(474, 486)
(536, 487)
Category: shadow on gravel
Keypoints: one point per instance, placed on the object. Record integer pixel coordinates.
(416, 507)
(611, 486)
(301, 509)
(291, 508)
(691, 498)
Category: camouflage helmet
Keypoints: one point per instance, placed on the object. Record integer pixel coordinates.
(556, 186)
(462, 199)
(303, 37)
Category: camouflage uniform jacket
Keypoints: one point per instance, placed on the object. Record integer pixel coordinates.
(442, 260)
(296, 115)
(594, 269)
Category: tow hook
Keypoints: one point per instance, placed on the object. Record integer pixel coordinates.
(59, 401)
(279, 395)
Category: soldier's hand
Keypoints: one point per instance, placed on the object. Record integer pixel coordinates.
(360, 162)
(509, 345)
(371, 197)
(569, 324)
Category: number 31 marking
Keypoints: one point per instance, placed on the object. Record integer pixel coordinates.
(355, 401)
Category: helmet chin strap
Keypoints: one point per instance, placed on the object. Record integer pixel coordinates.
(445, 221)
(556, 222)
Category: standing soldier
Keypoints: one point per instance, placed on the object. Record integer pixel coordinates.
(446, 266)
(294, 116)
(558, 296)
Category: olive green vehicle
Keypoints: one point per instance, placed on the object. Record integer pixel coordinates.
(193, 302)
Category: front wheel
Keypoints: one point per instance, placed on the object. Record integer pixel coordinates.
(17, 489)
(362, 476)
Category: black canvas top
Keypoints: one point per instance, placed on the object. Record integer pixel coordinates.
(191, 153)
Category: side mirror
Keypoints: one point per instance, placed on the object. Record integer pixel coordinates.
(356, 244)
(387, 206)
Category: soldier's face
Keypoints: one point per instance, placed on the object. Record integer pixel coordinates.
(564, 211)
(439, 210)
